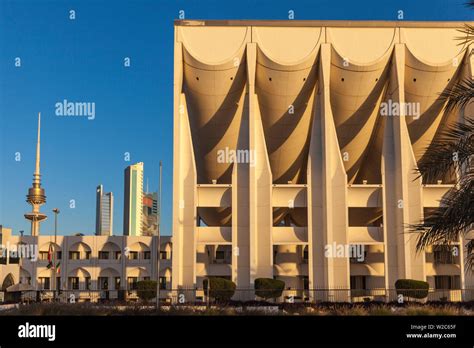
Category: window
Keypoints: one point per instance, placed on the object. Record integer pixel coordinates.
(146, 255)
(14, 259)
(87, 281)
(358, 259)
(59, 255)
(163, 255)
(447, 282)
(103, 283)
(163, 283)
(74, 255)
(305, 283)
(44, 283)
(103, 255)
(43, 255)
(220, 255)
(146, 278)
(133, 255)
(358, 283)
(132, 283)
(357, 253)
(88, 255)
(305, 255)
(74, 283)
(117, 255)
(117, 283)
(443, 255)
(58, 283)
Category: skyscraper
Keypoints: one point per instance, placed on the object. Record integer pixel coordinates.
(104, 212)
(150, 214)
(151, 210)
(133, 200)
(36, 196)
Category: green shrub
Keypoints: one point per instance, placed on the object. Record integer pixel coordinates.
(268, 287)
(219, 289)
(412, 288)
(146, 289)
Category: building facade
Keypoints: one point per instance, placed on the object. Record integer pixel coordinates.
(104, 212)
(133, 200)
(86, 265)
(150, 214)
(295, 149)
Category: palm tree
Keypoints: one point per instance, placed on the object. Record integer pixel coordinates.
(452, 153)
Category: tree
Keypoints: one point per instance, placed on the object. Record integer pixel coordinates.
(146, 289)
(268, 288)
(412, 288)
(452, 153)
(220, 289)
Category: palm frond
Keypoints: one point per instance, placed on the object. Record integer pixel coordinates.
(454, 217)
(470, 255)
(459, 95)
(452, 148)
(467, 37)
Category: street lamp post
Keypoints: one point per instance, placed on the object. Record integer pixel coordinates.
(158, 218)
(56, 212)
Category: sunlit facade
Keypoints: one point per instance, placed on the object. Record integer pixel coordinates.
(296, 142)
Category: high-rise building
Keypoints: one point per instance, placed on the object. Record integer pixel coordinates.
(36, 196)
(133, 200)
(150, 214)
(104, 212)
(295, 140)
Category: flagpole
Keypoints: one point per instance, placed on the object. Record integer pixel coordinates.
(56, 212)
(158, 218)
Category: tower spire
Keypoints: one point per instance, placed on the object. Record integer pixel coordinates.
(36, 197)
(37, 168)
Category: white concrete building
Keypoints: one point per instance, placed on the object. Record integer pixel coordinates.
(288, 143)
(88, 264)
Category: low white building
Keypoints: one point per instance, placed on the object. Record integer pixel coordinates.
(86, 264)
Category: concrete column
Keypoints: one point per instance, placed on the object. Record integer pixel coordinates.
(184, 187)
(467, 276)
(327, 206)
(402, 204)
(240, 197)
(261, 215)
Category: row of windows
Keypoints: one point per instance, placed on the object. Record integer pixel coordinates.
(105, 255)
(102, 283)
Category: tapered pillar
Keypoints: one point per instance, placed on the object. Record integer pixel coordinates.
(327, 179)
(402, 191)
(184, 187)
(261, 219)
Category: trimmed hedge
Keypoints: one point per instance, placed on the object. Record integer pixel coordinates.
(412, 288)
(268, 287)
(146, 289)
(219, 289)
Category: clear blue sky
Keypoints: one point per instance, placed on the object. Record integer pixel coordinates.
(82, 60)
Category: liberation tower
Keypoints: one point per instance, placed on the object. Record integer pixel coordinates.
(36, 196)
